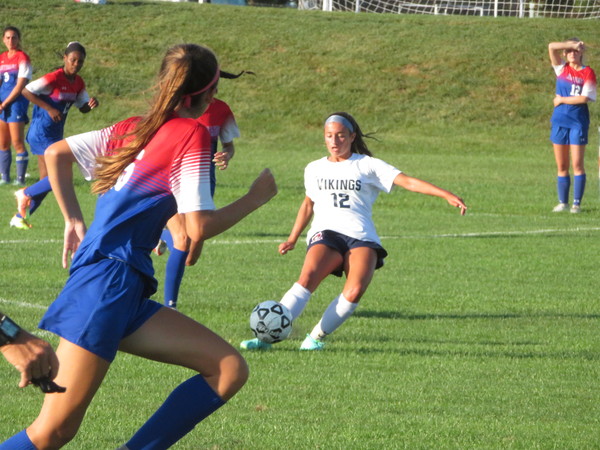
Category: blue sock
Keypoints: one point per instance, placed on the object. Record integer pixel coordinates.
(19, 441)
(190, 403)
(174, 274)
(37, 192)
(562, 186)
(41, 187)
(578, 188)
(22, 160)
(5, 160)
(166, 236)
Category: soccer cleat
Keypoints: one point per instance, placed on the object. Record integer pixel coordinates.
(160, 248)
(19, 183)
(561, 207)
(255, 344)
(23, 202)
(19, 223)
(575, 209)
(310, 343)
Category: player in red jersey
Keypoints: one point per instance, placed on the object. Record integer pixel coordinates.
(575, 87)
(153, 167)
(221, 124)
(52, 96)
(15, 72)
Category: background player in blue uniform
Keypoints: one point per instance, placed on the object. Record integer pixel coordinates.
(15, 71)
(52, 96)
(575, 87)
(154, 166)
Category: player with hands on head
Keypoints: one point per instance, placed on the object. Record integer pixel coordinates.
(153, 166)
(33, 357)
(575, 87)
(341, 189)
(15, 72)
(52, 96)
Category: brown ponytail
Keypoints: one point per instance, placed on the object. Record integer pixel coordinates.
(185, 69)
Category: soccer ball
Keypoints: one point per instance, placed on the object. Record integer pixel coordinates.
(271, 321)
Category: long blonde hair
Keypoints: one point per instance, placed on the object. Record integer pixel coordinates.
(186, 69)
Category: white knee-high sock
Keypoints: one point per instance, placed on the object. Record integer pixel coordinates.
(338, 311)
(296, 299)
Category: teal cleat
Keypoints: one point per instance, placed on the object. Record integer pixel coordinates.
(312, 344)
(255, 344)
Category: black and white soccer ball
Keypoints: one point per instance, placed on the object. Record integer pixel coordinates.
(271, 322)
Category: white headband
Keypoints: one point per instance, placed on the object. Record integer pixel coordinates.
(340, 119)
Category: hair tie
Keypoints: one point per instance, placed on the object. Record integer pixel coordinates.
(340, 119)
(187, 98)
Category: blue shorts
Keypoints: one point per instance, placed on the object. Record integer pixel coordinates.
(101, 304)
(16, 111)
(38, 147)
(343, 244)
(569, 136)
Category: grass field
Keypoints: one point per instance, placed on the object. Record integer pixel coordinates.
(481, 332)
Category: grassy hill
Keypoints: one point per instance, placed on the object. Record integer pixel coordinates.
(480, 332)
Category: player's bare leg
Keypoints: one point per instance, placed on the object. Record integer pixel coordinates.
(173, 338)
(81, 372)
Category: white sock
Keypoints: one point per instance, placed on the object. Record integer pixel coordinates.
(338, 311)
(296, 299)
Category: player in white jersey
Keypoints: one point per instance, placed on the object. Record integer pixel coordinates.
(340, 191)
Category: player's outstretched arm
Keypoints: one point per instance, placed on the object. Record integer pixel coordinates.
(59, 161)
(202, 225)
(305, 213)
(423, 187)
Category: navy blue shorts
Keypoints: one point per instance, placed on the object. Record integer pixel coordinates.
(101, 304)
(569, 136)
(343, 244)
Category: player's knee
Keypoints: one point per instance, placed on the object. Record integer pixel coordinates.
(180, 239)
(353, 293)
(234, 374)
(56, 436)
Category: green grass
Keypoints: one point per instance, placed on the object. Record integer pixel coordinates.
(480, 332)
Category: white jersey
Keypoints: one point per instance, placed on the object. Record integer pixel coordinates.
(344, 192)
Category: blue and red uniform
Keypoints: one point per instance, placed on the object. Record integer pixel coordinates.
(221, 124)
(61, 93)
(11, 69)
(573, 83)
(106, 296)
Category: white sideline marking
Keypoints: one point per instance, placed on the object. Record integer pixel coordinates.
(22, 304)
(43, 333)
(32, 241)
(416, 236)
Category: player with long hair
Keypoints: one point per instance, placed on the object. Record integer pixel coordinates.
(15, 72)
(341, 189)
(575, 87)
(152, 166)
(52, 96)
